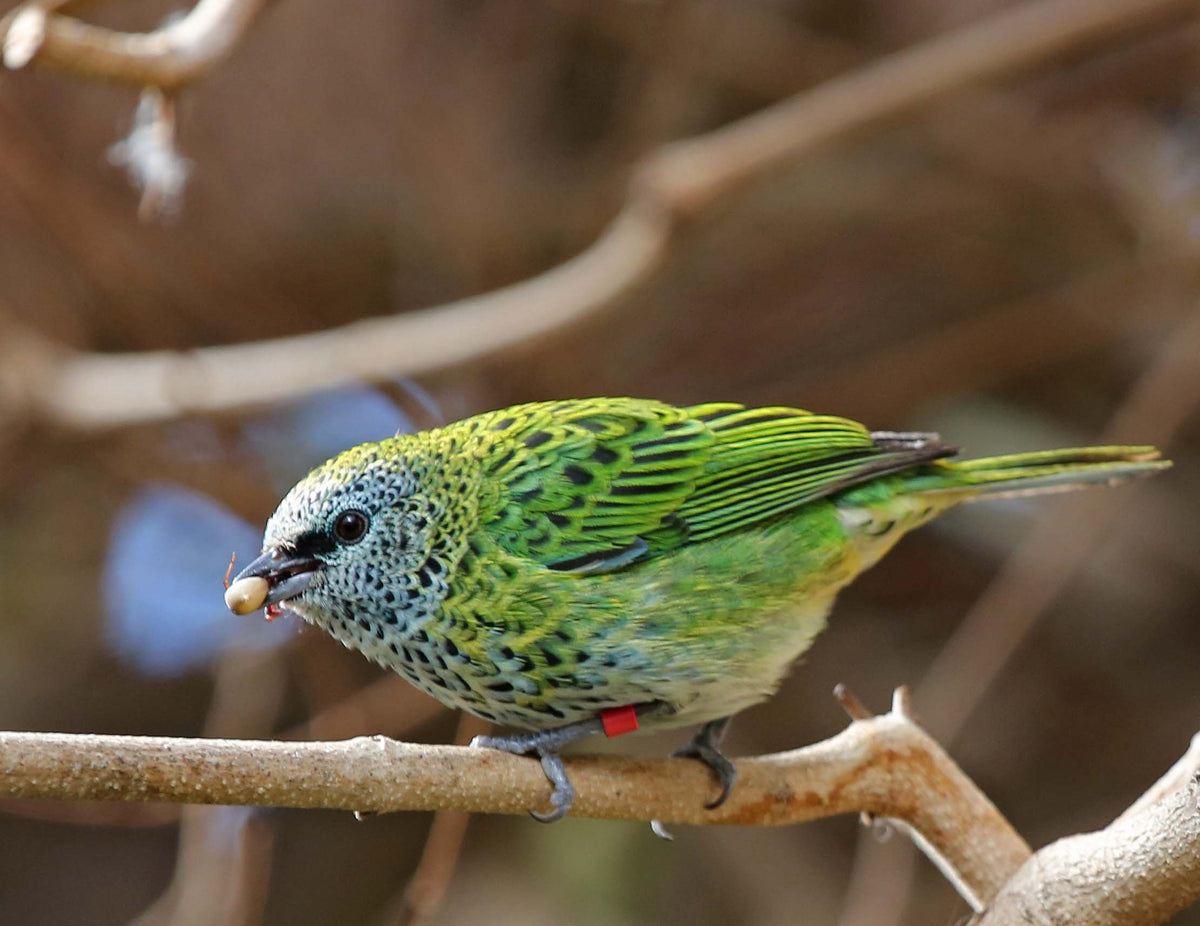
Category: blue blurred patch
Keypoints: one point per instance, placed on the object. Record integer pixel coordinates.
(163, 599)
(169, 547)
(225, 824)
(289, 441)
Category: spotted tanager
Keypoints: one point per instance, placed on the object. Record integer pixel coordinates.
(554, 565)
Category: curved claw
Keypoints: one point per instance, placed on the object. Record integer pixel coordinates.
(563, 795)
(545, 744)
(704, 747)
(726, 774)
(720, 764)
(552, 817)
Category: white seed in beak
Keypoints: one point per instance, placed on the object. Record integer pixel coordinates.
(246, 595)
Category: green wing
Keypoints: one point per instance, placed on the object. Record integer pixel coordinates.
(593, 485)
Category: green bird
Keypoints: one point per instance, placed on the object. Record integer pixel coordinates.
(599, 564)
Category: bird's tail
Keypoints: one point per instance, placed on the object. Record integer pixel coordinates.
(1034, 473)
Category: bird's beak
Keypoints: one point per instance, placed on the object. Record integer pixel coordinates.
(286, 575)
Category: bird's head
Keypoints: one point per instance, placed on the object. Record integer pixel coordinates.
(361, 538)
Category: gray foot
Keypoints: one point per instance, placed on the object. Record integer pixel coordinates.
(705, 746)
(545, 745)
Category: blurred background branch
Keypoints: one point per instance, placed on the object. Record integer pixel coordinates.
(96, 391)
(418, 904)
(179, 52)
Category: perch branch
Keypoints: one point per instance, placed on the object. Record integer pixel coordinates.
(885, 765)
(1139, 871)
(1177, 777)
(179, 53)
(82, 390)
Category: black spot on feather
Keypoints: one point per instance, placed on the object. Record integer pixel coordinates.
(665, 456)
(668, 440)
(503, 460)
(577, 474)
(644, 488)
(718, 413)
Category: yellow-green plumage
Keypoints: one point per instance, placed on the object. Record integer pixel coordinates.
(540, 564)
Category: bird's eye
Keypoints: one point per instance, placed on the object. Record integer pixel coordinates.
(351, 526)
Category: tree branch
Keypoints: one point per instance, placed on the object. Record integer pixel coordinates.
(885, 766)
(1024, 36)
(1178, 776)
(1139, 871)
(83, 390)
(178, 53)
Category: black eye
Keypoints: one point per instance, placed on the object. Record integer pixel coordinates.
(351, 526)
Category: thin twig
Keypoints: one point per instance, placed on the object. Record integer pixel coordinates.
(886, 766)
(692, 174)
(389, 705)
(217, 845)
(178, 53)
(850, 703)
(95, 391)
(419, 902)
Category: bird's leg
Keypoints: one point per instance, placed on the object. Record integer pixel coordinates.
(706, 746)
(545, 745)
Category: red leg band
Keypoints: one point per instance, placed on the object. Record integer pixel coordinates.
(618, 720)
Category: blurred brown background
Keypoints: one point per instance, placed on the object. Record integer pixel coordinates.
(1012, 267)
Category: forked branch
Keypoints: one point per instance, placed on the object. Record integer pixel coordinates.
(1137, 872)
(885, 766)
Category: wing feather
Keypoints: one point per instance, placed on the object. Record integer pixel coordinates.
(596, 484)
